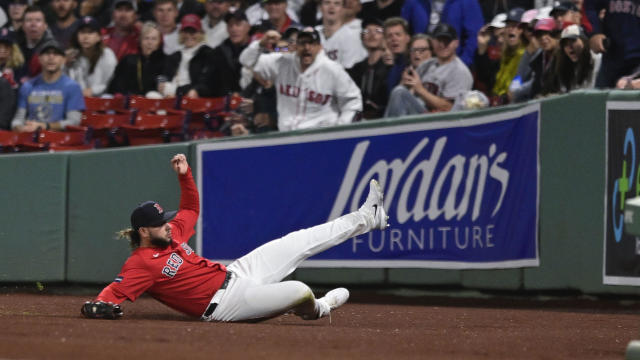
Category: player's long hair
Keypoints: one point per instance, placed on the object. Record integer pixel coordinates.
(131, 235)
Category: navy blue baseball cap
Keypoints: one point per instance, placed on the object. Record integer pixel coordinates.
(6, 36)
(150, 214)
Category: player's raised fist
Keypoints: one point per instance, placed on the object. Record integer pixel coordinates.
(179, 164)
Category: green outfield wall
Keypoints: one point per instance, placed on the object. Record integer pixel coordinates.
(60, 211)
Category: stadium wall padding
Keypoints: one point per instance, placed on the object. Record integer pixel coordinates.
(34, 214)
(61, 211)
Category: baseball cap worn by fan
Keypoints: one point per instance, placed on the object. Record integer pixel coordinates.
(5, 36)
(515, 15)
(546, 24)
(51, 44)
(499, 21)
(89, 23)
(150, 214)
(309, 33)
(572, 32)
(444, 30)
(561, 8)
(191, 21)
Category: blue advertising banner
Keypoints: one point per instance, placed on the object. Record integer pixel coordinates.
(460, 194)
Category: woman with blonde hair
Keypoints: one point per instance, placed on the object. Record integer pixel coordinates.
(138, 73)
(12, 65)
(191, 67)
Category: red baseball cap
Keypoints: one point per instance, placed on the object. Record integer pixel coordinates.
(546, 24)
(191, 21)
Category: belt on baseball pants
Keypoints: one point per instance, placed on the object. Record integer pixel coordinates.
(215, 300)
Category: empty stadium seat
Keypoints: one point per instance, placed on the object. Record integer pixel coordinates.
(155, 128)
(143, 104)
(93, 104)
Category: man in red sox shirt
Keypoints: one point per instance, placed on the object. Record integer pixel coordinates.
(164, 266)
(312, 90)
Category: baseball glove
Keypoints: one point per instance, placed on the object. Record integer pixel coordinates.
(101, 310)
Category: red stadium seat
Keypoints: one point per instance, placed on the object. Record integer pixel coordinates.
(117, 103)
(142, 104)
(104, 128)
(64, 140)
(206, 115)
(11, 141)
(155, 128)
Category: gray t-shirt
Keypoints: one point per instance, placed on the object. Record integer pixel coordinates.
(448, 80)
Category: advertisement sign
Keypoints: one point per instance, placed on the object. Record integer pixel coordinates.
(460, 194)
(621, 265)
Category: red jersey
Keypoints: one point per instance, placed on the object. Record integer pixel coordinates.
(176, 275)
(121, 46)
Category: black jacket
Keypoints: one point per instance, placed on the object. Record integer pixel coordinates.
(201, 72)
(136, 74)
(372, 81)
(228, 68)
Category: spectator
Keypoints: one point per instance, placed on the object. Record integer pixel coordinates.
(123, 37)
(396, 34)
(65, 23)
(370, 74)
(565, 12)
(226, 57)
(138, 73)
(7, 104)
(272, 14)
(51, 100)
(165, 13)
(16, 15)
(35, 33)
(512, 51)
(436, 83)
(278, 17)
(486, 61)
(313, 91)
(340, 42)
(576, 65)
(350, 11)
(617, 36)
(12, 66)
(190, 7)
(91, 64)
(419, 50)
(547, 34)
(192, 66)
(520, 88)
(215, 28)
(415, 12)
(100, 10)
(466, 17)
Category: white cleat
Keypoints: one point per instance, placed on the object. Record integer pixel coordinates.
(336, 297)
(374, 206)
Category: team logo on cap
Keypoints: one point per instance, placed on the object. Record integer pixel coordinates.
(158, 207)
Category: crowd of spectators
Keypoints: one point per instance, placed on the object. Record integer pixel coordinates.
(300, 64)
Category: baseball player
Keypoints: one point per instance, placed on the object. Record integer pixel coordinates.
(312, 90)
(164, 266)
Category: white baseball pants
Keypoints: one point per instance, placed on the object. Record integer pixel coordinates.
(257, 291)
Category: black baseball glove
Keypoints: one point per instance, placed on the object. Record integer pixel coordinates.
(101, 310)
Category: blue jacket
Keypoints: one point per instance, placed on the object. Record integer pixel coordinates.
(621, 25)
(466, 17)
(416, 12)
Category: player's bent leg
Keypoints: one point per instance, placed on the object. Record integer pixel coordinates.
(274, 260)
(245, 300)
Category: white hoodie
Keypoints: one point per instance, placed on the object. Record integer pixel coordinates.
(324, 95)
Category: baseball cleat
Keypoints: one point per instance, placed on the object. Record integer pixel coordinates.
(336, 297)
(373, 207)
(332, 300)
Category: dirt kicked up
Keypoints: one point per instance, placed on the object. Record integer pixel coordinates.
(369, 326)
